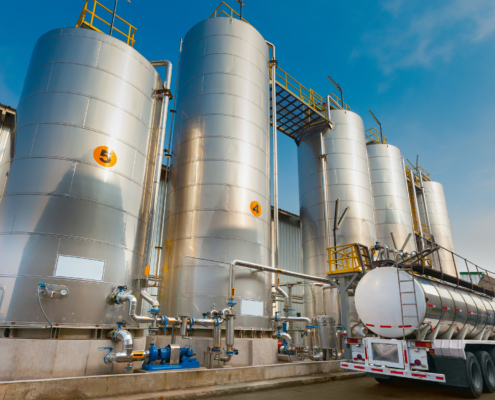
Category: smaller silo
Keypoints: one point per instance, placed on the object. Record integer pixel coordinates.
(390, 196)
(440, 229)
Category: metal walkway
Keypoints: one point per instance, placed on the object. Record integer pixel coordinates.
(298, 107)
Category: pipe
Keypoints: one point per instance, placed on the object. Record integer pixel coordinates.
(293, 319)
(122, 298)
(323, 288)
(358, 330)
(286, 337)
(147, 297)
(217, 337)
(159, 155)
(381, 247)
(285, 296)
(313, 297)
(274, 152)
(323, 158)
(126, 338)
(259, 267)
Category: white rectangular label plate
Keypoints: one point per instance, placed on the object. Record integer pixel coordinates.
(252, 308)
(80, 268)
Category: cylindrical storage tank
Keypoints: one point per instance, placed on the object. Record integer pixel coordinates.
(441, 231)
(455, 312)
(75, 205)
(218, 204)
(325, 332)
(348, 178)
(390, 196)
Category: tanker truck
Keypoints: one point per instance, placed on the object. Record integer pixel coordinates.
(424, 328)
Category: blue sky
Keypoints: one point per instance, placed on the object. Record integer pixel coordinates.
(425, 69)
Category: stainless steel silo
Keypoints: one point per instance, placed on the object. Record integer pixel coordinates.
(390, 196)
(348, 179)
(76, 200)
(218, 205)
(441, 231)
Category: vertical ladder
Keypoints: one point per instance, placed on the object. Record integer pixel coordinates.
(407, 291)
(412, 194)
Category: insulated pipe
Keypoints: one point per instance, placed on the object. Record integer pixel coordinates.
(323, 158)
(313, 297)
(378, 246)
(294, 319)
(259, 267)
(285, 295)
(274, 152)
(122, 298)
(217, 337)
(154, 303)
(159, 154)
(126, 338)
(286, 337)
(323, 288)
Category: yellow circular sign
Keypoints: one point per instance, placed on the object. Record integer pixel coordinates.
(104, 156)
(256, 208)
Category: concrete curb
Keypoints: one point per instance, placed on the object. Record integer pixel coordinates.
(227, 390)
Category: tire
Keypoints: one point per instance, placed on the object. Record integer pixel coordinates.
(487, 370)
(474, 376)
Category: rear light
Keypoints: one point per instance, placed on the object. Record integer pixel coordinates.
(423, 344)
(359, 357)
(349, 340)
(417, 362)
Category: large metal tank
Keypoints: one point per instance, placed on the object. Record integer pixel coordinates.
(452, 312)
(348, 178)
(75, 205)
(7, 131)
(218, 205)
(438, 215)
(390, 196)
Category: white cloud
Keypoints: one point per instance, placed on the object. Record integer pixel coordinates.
(419, 36)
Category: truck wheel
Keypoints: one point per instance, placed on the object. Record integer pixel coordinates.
(474, 375)
(487, 370)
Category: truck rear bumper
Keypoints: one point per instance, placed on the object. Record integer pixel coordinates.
(420, 375)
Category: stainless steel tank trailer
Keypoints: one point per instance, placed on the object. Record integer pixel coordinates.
(424, 324)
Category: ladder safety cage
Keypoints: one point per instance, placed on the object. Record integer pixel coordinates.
(89, 21)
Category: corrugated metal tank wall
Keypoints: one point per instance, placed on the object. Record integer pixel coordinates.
(75, 206)
(219, 172)
(348, 179)
(390, 196)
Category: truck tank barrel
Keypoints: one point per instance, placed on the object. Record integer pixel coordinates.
(445, 311)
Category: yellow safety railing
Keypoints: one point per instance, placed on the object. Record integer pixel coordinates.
(373, 136)
(230, 12)
(307, 96)
(88, 21)
(346, 258)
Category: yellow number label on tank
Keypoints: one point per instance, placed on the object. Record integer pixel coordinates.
(105, 157)
(256, 208)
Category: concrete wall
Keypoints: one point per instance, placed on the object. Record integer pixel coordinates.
(138, 383)
(22, 359)
(43, 358)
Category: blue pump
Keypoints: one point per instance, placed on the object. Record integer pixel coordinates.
(162, 354)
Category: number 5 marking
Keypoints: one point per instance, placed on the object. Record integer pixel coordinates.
(104, 156)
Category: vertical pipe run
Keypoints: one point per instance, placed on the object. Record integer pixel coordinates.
(159, 155)
(323, 158)
(275, 157)
(113, 17)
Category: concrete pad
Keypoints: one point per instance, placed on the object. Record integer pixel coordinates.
(9, 349)
(71, 357)
(125, 385)
(35, 359)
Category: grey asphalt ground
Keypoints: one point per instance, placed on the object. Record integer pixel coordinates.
(361, 389)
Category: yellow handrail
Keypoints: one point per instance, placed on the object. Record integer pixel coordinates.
(82, 22)
(373, 136)
(219, 13)
(346, 258)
